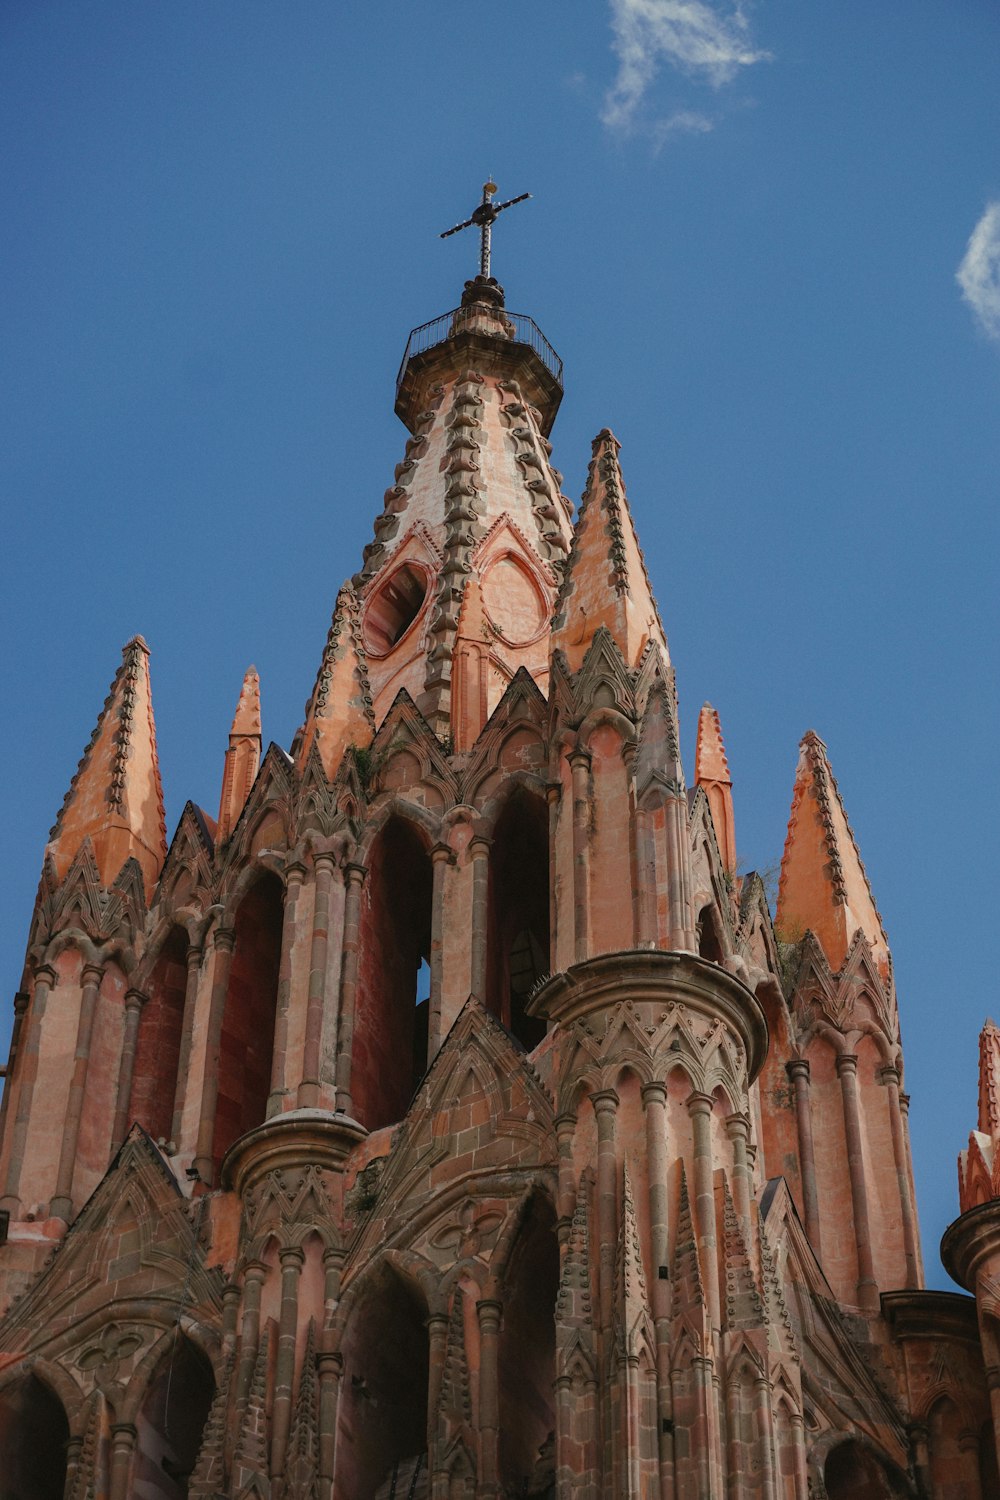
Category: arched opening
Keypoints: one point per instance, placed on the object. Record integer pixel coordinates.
(158, 1048)
(518, 927)
(392, 610)
(382, 1415)
(527, 1358)
(248, 1019)
(389, 1050)
(170, 1423)
(954, 1454)
(853, 1472)
(710, 944)
(34, 1433)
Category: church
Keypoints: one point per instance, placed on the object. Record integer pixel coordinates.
(443, 1116)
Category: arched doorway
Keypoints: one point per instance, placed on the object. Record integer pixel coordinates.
(382, 1414)
(34, 1434)
(854, 1472)
(517, 951)
(247, 1040)
(389, 1049)
(170, 1423)
(527, 1357)
(158, 1048)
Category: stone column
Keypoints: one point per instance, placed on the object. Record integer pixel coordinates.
(847, 1070)
(45, 979)
(224, 943)
(437, 1340)
(765, 1429)
(123, 1436)
(194, 957)
(565, 1126)
(646, 924)
(798, 1071)
(678, 873)
(904, 1109)
(61, 1206)
(920, 1455)
(295, 874)
(798, 1422)
(330, 1367)
(354, 875)
(700, 1109)
(134, 1002)
(738, 1131)
(579, 760)
(654, 1101)
(308, 1091)
(488, 1312)
(605, 1102)
(441, 858)
(479, 853)
(292, 1258)
(21, 1000)
(890, 1077)
(230, 1314)
(253, 1280)
(553, 797)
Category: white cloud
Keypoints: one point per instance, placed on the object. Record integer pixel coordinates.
(692, 35)
(979, 273)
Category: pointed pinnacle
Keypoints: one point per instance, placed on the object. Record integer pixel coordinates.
(710, 763)
(246, 720)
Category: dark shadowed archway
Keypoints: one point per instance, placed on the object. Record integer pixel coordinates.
(158, 1048)
(517, 953)
(34, 1434)
(170, 1423)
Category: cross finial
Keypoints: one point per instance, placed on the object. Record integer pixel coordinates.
(483, 217)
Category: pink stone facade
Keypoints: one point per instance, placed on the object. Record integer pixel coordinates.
(449, 1119)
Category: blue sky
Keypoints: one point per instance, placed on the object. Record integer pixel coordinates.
(767, 246)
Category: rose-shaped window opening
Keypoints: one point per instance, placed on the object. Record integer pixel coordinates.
(391, 611)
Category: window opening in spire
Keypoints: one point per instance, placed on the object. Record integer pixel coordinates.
(518, 929)
(392, 609)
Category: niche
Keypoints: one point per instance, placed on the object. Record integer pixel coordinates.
(170, 1423)
(154, 1082)
(34, 1433)
(389, 1052)
(247, 1039)
(517, 951)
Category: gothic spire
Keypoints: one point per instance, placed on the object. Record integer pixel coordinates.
(339, 713)
(823, 886)
(711, 771)
(116, 798)
(989, 1080)
(606, 582)
(243, 756)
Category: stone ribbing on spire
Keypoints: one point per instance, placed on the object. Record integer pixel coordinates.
(116, 797)
(606, 582)
(243, 756)
(339, 713)
(711, 771)
(823, 886)
(989, 1079)
(744, 1306)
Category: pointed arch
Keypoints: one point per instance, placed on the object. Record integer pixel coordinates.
(168, 1401)
(527, 1351)
(34, 1435)
(854, 1471)
(158, 1046)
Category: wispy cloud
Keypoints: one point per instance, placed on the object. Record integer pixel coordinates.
(691, 35)
(979, 273)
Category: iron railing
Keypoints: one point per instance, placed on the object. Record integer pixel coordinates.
(439, 330)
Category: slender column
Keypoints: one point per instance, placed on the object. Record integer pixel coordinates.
(20, 1008)
(253, 1281)
(735, 1486)
(354, 875)
(61, 1206)
(437, 1339)
(646, 930)
(847, 1069)
(801, 1463)
(295, 874)
(738, 1131)
(553, 797)
(678, 882)
(904, 1109)
(798, 1071)
(134, 1002)
(579, 760)
(230, 1314)
(330, 1366)
(488, 1312)
(565, 1128)
(123, 1436)
(74, 1452)
(890, 1077)
(292, 1259)
(225, 943)
(920, 1452)
(700, 1109)
(605, 1103)
(45, 978)
(765, 1430)
(194, 957)
(441, 858)
(308, 1091)
(479, 853)
(654, 1101)
(702, 1436)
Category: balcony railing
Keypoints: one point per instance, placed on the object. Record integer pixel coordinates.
(439, 330)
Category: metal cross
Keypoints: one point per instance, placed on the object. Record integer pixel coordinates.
(484, 216)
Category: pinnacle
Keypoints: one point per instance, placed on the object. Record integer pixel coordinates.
(823, 885)
(116, 797)
(246, 720)
(339, 713)
(606, 582)
(710, 752)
